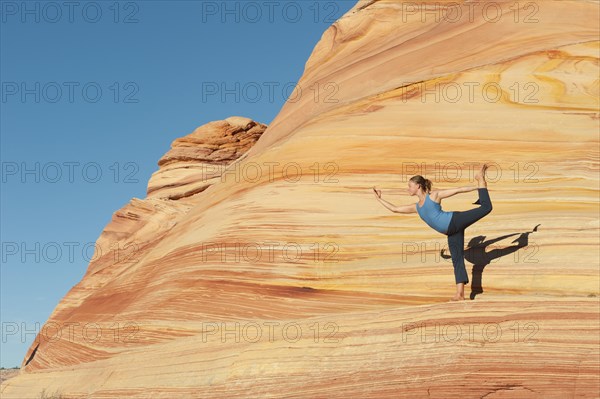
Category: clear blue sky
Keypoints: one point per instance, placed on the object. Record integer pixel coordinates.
(97, 89)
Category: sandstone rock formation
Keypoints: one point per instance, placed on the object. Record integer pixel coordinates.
(284, 277)
(6, 374)
(197, 160)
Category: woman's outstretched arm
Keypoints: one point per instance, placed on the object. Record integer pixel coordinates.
(396, 209)
(441, 194)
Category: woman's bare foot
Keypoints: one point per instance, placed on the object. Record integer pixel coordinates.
(460, 292)
(480, 176)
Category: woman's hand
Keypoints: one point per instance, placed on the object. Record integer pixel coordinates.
(377, 193)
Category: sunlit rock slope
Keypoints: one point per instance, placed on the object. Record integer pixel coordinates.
(261, 265)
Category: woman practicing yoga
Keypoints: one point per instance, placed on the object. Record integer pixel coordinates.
(452, 224)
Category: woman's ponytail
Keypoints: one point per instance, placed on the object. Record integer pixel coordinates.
(428, 185)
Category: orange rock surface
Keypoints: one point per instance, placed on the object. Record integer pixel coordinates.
(261, 265)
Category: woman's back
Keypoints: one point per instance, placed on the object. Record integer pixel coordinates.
(431, 212)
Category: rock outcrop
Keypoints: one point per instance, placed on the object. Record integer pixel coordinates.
(280, 275)
(196, 161)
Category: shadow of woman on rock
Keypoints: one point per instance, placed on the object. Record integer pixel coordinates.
(480, 258)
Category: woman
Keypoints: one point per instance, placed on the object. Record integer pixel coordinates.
(452, 224)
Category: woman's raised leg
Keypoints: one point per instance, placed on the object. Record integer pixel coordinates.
(463, 219)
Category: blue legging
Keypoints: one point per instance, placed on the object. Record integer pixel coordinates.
(456, 233)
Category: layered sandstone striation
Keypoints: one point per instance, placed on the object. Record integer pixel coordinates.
(278, 274)
(197, 161)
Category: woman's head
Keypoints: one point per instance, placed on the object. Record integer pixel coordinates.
(417, 183)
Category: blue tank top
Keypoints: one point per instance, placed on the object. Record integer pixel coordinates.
(431, 212)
